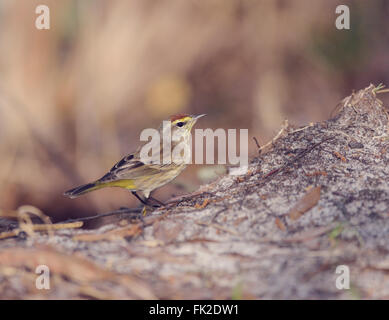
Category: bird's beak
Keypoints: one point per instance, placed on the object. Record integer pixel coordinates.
(199, 116)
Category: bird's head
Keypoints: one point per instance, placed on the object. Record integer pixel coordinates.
(183, 123)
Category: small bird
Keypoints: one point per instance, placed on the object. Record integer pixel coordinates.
(133, 174)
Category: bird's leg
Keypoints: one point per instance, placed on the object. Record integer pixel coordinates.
(145, 204)
(145, 201)
(139, 198)
(161, 204)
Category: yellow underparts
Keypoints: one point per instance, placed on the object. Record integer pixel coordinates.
(127, 183)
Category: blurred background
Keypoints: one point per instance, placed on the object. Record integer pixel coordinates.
(74, 99)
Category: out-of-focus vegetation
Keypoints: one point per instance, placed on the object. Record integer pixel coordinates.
(73, 99)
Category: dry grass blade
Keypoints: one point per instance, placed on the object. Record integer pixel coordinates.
(380, 89)
(130, 231)
(26, 223)
(284, 127)
(9, 234)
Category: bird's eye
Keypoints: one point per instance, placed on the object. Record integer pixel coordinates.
(180, 124)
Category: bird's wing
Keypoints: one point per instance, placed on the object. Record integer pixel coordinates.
(131, 167)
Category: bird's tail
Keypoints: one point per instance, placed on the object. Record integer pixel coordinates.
(78, 191)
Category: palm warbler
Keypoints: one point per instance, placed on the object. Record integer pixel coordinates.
(136, 175)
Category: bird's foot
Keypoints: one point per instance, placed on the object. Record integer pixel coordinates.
(146, 209)
(158, 203)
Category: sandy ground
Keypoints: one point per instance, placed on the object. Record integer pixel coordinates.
(316, 199)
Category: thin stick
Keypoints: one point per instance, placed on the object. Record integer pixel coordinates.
(111, 213)
(257, 143)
